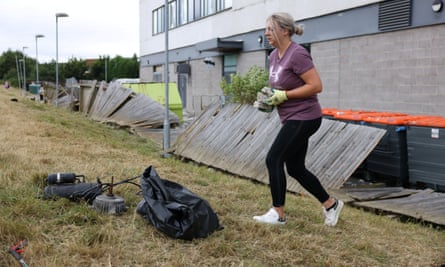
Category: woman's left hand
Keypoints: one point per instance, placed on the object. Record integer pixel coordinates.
(278, 97)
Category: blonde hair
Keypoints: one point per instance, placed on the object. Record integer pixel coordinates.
(285, 21)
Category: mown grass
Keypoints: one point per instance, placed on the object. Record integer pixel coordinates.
(36, 140)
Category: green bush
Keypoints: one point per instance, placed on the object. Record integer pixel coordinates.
(244, 89)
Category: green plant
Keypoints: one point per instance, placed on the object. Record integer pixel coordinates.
(244, 89)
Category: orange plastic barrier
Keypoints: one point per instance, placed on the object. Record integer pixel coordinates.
(353, 115)
(428, 121)
(369, 116)
(329, 111)
(390, 118)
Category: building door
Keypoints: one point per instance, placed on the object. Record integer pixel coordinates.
(183, 70)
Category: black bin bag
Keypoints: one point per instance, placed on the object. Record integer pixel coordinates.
(175, 210)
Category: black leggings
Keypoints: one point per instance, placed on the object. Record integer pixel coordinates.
(290, 147)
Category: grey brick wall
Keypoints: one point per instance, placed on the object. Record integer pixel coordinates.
(400, 71)
(203, 86)
(247, 60)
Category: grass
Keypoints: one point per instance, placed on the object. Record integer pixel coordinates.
(39, 139)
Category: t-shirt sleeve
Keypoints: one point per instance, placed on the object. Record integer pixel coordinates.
(302, 62)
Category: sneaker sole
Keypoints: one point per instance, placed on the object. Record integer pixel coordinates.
(255, 218)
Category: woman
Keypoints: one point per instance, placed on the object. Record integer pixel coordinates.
(296, 84)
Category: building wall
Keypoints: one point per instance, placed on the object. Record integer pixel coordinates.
(203, 85)
(361, 65)
(400, 71)
(145, 72)
(247, 60)
(244, 16)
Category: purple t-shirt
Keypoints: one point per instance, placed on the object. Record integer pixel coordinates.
(285, 74)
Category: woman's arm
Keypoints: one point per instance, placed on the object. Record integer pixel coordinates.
(311, 87)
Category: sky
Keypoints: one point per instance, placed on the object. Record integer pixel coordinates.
(93, 28)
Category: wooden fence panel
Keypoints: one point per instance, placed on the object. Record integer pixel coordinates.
(109, 101)
(142, 111)
(88, 92)
(116, 104)
(236, 139)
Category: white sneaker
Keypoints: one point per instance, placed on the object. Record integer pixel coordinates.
(333, 214)
(270, 217)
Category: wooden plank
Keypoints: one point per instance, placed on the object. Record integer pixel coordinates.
(366, 194)
(425, 205)
(236, 138)
(87, 93)
(109, 101)
(141, 111)
(98, 98)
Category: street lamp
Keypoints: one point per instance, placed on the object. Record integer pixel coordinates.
(18, 66)
(166, 144)
(58, 15)
(24, 69)
(37, 57)
(106, 69)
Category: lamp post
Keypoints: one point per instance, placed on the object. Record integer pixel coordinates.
(37, 57)
(166, 144)
(58, 15)
(17, 63)
(106, 69)
(24, 69)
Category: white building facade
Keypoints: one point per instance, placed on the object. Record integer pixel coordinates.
(371, 55)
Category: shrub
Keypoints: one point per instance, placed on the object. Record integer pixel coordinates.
(244, 89)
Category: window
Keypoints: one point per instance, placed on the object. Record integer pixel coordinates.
(172, 15)
(181, 12)
(185, 11)
(229, 66)
(223, 4)
(191, 10)
(158, 20)
(219, 5)
(227, 3)
(209, 7)
(155, 22)
(307, 47)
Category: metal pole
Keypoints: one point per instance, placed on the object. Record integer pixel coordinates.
(24, 70)
(61, 15)
(106, 70)
(37, 57)
(57, 62)
(166, 119)
(18, 71)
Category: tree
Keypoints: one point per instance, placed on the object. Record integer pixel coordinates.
(47, 71)
(74, 68)
(8, 66)
(97, 71)
(120, 67)
(117, 67)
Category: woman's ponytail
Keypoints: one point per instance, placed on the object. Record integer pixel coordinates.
(299, 29)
